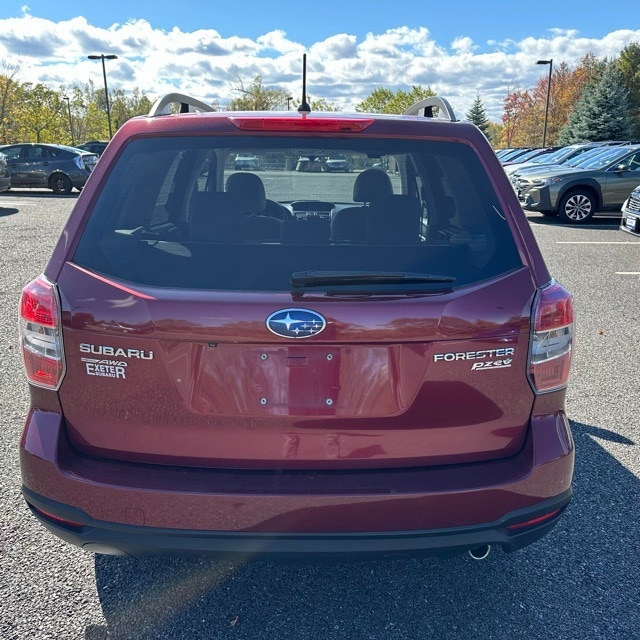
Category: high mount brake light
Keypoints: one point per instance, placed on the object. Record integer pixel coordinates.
(40, 334)
(551, 338)
(249, 123)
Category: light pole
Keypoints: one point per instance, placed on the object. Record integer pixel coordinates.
(73, 142)
(104, 57)
(546, 108)
(289, 99)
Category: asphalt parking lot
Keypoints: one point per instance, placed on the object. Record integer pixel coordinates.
(580, 582)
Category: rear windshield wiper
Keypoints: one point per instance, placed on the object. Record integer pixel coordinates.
(303, 279)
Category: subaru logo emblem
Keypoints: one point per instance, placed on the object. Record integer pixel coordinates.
(296, 323)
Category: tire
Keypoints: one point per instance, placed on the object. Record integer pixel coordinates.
(60, 184)
(577, 207)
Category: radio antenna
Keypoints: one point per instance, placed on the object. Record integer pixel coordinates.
(304, 106)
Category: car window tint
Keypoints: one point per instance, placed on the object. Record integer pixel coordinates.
(168, 215)
(12, 153)
(603, 159)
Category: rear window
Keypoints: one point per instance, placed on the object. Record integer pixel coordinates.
(177, 212)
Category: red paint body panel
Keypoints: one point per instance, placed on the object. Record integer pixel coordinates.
(366, 392)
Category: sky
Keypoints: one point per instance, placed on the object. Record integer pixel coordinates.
(461, 49)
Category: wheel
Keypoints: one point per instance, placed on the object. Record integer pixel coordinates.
(577, 207)
(60, 184)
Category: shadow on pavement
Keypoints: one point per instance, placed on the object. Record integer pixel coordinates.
(598, 222)
(7, 211)
(581, 581)
(37, 193)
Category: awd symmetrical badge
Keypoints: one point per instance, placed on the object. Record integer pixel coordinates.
(295, 323)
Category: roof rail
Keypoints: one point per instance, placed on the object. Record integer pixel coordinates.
(187, 104)
(425, 107)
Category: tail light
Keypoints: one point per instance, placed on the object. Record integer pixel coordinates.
(551, 338)
(41, 334)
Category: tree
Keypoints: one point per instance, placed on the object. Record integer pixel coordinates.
(494, 133)
(10, 98)
(629, 65)
(43, 115)
(516, 103)
(124, 107)
(478, 115)
(601, 112)
(322, 105)
(383, 100)
(255, 96)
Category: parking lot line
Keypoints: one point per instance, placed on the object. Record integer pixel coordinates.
(595, 242)
(627, 273)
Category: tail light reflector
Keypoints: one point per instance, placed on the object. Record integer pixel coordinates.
(62, 522)
(40, 334)
(534, 521)
(551, 338)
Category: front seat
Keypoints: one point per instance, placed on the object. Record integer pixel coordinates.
(350, 224)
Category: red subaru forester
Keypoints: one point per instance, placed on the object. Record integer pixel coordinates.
(279, 363)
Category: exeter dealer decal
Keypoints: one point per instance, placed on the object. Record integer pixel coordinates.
(110, 367)
(489, 358)
(105, 368)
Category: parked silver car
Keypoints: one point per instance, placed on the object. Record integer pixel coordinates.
(51, 166)
(631, 213)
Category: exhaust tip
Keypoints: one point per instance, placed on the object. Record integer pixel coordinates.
(480, 553)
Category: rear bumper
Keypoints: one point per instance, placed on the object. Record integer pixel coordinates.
(139, 541)
(142, 509)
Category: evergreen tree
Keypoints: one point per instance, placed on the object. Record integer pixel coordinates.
(478, 116)
(601, 112)
(629, 65)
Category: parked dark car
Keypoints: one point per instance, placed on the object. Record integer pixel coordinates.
(94, 146)
(51, 166)
(5, 179)
(631, 213)
(532, 154)
(299, 363)
(513, 154)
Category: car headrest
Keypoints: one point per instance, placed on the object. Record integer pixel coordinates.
(247, 190)
(371, 184)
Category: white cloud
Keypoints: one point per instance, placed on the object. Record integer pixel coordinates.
(463, 45)
(341, 68)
